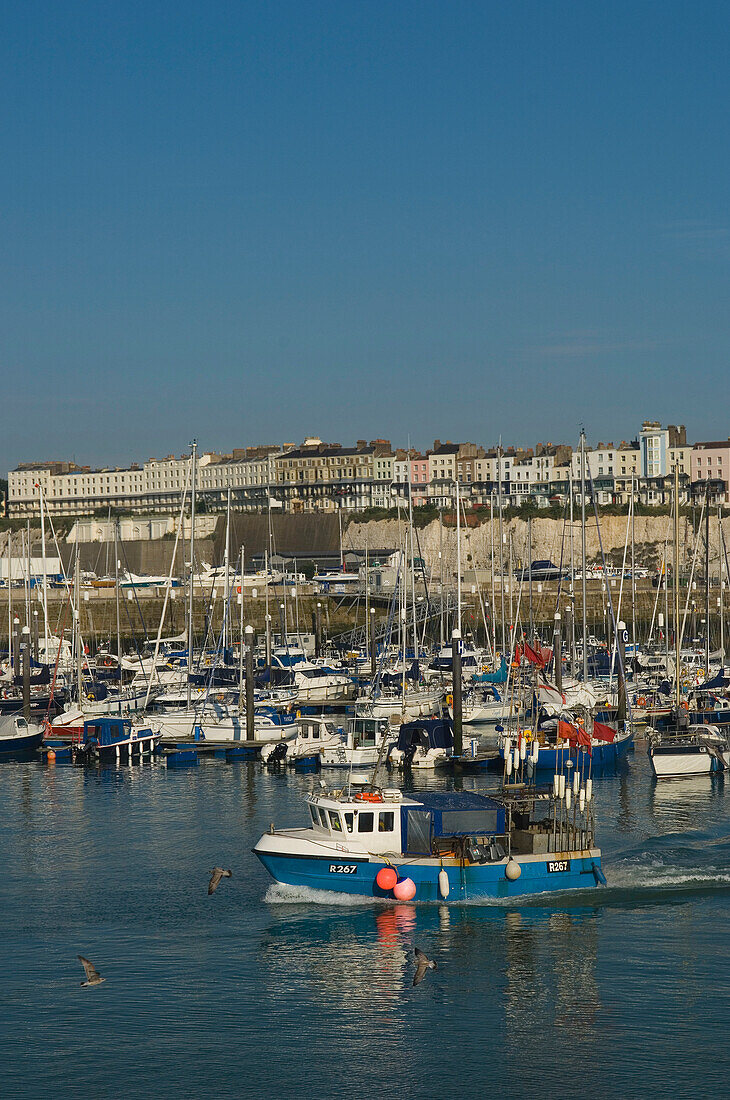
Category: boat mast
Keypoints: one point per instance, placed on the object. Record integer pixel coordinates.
(677, 639)
(25, 541)
(441, 578)
(501, 537)
(226, 585)
(77, 623)
(529, 566)
(721, 582)
(707, 581)
(193, 460)
(572, 574)
(633, 570)
(116, 592)
(491, 542)
(240, 644)
(413, 561)
(583, 550)
(458, 556)
(10, 600)
(45, 579)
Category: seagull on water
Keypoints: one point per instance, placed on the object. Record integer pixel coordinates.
(423, 963)
(217, 874)
(93, 977)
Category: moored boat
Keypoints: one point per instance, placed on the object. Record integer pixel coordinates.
(19, 739)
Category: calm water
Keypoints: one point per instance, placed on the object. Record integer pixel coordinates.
(255, 992)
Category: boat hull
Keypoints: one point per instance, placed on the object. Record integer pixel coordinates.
(605, 755)
(20, 747)
(346, 873)
(672, 763)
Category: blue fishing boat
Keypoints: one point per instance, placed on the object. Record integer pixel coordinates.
(19, 739)
(556, 756)
(110, 739)
(445, 846)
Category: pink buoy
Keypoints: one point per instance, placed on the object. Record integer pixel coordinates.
(386, 878)
(405, 890)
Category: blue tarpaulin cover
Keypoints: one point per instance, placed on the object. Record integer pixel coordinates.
(498, 677)
(448, 813)
(438, 732)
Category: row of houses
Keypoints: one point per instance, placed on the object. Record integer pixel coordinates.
(318, 476)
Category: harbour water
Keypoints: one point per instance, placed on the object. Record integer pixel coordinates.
(259, 991)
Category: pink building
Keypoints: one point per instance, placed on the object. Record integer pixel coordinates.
(419, 479)
(711, 461)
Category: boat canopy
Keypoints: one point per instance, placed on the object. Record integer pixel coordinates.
(107, 730)
(448, 813)
(498, 677)
(431, 733)
(394, 679)
(718, 681)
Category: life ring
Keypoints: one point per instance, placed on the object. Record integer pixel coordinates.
(220, 697)
(91, 697)
(641, 701)
(684, 705)
(449, 700)
(368, 796)
(528, 736)
(299, 713)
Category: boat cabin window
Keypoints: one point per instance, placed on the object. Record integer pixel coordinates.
(386, 820)
(349, 822)
(365, 823)
(323, 818)
(315, 815)
(335, 821)
(364, 732)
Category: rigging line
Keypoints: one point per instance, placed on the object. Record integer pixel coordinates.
(141, 616)
(562, 554)
(614, 647)
(476, 579)
(168, 589)
(691, 576)
(608, 587)
(512, 650)
(375, 686)
(659, 585)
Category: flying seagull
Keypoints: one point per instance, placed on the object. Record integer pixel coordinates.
(423, 963)
(216, 876)
(93, 977)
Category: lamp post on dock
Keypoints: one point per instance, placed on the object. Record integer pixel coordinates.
(250, 716)
(456, 690)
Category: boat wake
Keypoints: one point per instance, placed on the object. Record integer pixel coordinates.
(281, 894)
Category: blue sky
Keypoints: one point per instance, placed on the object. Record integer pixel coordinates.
(257, 221)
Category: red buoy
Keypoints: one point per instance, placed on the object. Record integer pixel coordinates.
(386, 878)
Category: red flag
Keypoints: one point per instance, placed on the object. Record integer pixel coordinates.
(575, 734)
(567, 731)
(518, 655)
(583, 739)
(533, 657)
(603, 732)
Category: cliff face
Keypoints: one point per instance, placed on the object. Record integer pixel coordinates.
(550, 539)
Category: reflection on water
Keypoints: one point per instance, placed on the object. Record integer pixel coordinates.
(270, 992)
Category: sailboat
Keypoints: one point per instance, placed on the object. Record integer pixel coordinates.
(680, 747)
